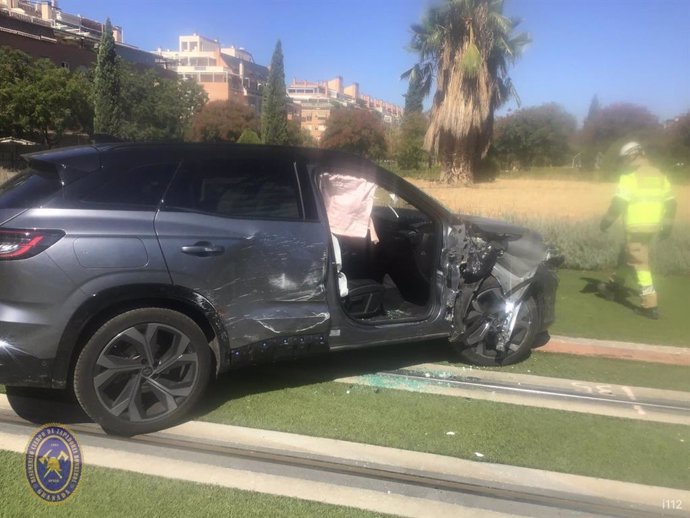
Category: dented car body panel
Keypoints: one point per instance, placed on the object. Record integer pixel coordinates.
(237, 238)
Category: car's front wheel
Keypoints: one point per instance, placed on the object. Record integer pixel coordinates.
(480, 344)
(142, 371)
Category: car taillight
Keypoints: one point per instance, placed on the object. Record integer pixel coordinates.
(22, 244)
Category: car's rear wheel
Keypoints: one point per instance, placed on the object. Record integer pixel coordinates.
(142, 371)
(479, 344)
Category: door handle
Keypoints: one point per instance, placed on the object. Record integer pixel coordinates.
(203, 249)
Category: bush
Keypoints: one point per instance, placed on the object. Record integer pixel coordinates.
(249, 136)
(585, 247)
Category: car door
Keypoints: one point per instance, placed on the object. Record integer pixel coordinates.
(233, 229)
(418, 272)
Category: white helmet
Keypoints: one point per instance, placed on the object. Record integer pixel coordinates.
(631, 150)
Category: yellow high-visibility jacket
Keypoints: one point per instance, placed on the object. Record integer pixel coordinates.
(646, 192)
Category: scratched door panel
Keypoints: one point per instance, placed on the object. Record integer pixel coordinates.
(249, 252)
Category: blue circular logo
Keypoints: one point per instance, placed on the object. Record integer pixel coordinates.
(53, 463)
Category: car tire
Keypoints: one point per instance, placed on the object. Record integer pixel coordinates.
(522, 339)
(142, 371)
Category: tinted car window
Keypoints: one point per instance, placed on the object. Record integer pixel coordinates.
(141, 186)
(28, 189)
(121, 185)
(237, 188)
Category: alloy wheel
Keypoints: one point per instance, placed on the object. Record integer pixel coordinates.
(146, 372)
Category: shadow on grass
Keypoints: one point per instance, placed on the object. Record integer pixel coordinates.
(60, 406)
(619, 295)
(319, 369)
(42, 406)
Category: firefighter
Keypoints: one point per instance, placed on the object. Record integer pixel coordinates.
(645, 201)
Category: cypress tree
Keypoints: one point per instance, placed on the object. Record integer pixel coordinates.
(106, 97)
(415, 95)
(594, 108)
(274, 123)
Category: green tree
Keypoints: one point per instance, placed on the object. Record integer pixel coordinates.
(249, 136)
(155, 107)
(535, 136)
(274, 122)
(106, 88)
(409, 151)
(57, 101)
(223, 121)
(39, 100)
(468, 45)
(355, 130)
(16, 71)
(678, 142)
(416, 92)
(602, 134)
(594, 108)
(298, 136)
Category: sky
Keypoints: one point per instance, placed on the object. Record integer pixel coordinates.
(634, 51)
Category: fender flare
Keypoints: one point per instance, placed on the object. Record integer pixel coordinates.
(109, 302)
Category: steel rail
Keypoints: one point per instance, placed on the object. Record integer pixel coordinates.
(459, 381)
(561, 501)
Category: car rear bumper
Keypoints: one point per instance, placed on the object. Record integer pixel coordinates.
(19, 368)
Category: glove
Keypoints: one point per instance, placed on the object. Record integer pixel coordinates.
(605, 224)
(665, 232)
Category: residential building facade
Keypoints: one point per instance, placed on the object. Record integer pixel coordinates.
(225, 73)
(318, 99)
(42, 30)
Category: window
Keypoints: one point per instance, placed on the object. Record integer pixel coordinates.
(28, 189)
(261, 189)
(385, 198)
(139, 187)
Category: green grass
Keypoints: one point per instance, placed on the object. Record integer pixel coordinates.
(300, 397)
(587, 315)
(108, 492)
(603, 370)
(622, 449)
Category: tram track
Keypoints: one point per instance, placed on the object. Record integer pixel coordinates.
(460, 489)
(666, 406)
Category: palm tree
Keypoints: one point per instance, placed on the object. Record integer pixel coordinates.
(466, 46)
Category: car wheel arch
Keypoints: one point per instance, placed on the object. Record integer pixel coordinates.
(102, 306)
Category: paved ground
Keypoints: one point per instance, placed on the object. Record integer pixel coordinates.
(618, 350)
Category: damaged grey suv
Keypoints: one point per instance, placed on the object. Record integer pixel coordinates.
(134, 273)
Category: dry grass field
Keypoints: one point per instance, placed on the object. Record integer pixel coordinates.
(537, 199)
(4, 175)
(528, 198)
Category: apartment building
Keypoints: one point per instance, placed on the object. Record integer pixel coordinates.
(225, 73)
(42, 30)
(318, 99)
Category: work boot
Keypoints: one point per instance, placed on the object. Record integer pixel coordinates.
(652, 313)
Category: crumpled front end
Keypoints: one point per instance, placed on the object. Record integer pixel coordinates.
(519, 260)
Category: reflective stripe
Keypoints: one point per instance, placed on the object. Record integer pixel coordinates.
(644, 278)
(647, 290)
(646, 191)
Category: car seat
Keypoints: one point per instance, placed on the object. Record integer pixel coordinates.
(361, 298)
